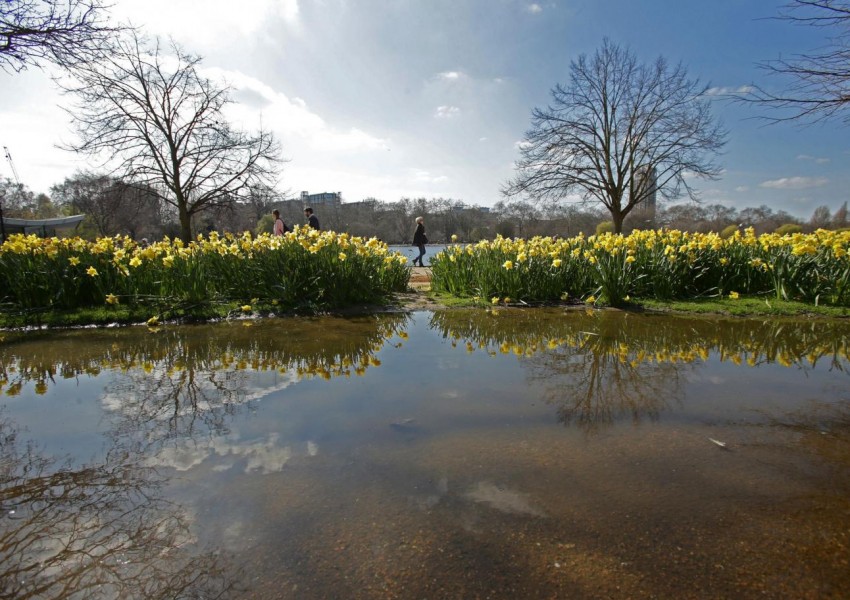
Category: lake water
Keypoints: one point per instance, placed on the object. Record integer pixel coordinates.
(454, 454)
(412, 252)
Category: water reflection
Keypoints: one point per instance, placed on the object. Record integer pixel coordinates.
(441, 474)
(199, 366)
(95, 531)
(599, 367)
(173, 393)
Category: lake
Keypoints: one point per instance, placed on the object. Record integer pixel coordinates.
(412, 252)
(503, 453)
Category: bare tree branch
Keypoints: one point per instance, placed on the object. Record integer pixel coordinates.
(60, 31)
(160, 123)
(819, 82)
(619, 132)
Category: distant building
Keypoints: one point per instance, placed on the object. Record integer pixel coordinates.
(324, 200)
(646, 178)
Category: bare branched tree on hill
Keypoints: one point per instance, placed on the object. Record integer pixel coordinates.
(619, 132)
(58, 31)
(159, 123)
(819, 83)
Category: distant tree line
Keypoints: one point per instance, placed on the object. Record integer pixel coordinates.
(113, 206)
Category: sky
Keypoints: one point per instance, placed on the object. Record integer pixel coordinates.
(430, 98)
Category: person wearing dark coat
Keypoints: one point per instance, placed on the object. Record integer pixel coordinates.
(419, 240)
(312, 220)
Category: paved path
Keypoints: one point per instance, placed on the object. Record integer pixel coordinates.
(420, 278)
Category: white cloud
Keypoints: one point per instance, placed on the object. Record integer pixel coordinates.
(483, 139)
(534, 9)
(260, 456)
(522, 144)
(204, 22)
(742, 188)
(819, 160)
(728, 90)
(794, 183)
(450, 75)
(446, 112)
(422, 176)
(356, 183)
(290, 117)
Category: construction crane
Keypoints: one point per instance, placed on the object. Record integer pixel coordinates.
(12, 164)
(17, 180)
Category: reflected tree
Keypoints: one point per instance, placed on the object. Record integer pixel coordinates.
(596, 383)
(95, 531)
(182, 386)
(600, 367)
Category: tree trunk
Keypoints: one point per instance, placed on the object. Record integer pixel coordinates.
(185, 224)
(617, 218)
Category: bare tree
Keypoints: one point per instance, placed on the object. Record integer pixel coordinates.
(819, 82)
(839, 219)
(160, 123)
(821, 218)
(618, 133)
(61, 31)
(110, 204)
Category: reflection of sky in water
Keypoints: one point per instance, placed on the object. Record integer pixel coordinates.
(428, 381)
(462, 423)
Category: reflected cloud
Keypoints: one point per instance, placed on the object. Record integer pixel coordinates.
(263, 456)
(171, 396)
(95, 531)
(503, 499)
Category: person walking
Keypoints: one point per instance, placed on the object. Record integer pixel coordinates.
(312, 220)
(279, 226)
(419, 240)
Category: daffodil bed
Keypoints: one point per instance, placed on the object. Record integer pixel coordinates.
(660, 265)
(305, 269)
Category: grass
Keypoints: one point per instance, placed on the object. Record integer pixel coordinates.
(744, 307)
(449, 301)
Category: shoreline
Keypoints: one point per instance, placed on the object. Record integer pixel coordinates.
(419, 296)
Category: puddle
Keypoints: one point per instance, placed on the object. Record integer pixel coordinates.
(500, 454)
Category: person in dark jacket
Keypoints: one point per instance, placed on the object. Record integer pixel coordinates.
(419, 240)
(312, 220)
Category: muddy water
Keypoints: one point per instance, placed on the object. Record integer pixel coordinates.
(457, 454)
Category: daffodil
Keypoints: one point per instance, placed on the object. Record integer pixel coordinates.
(246, 308)
(734, 295)
(91, 271)
(111, 299)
